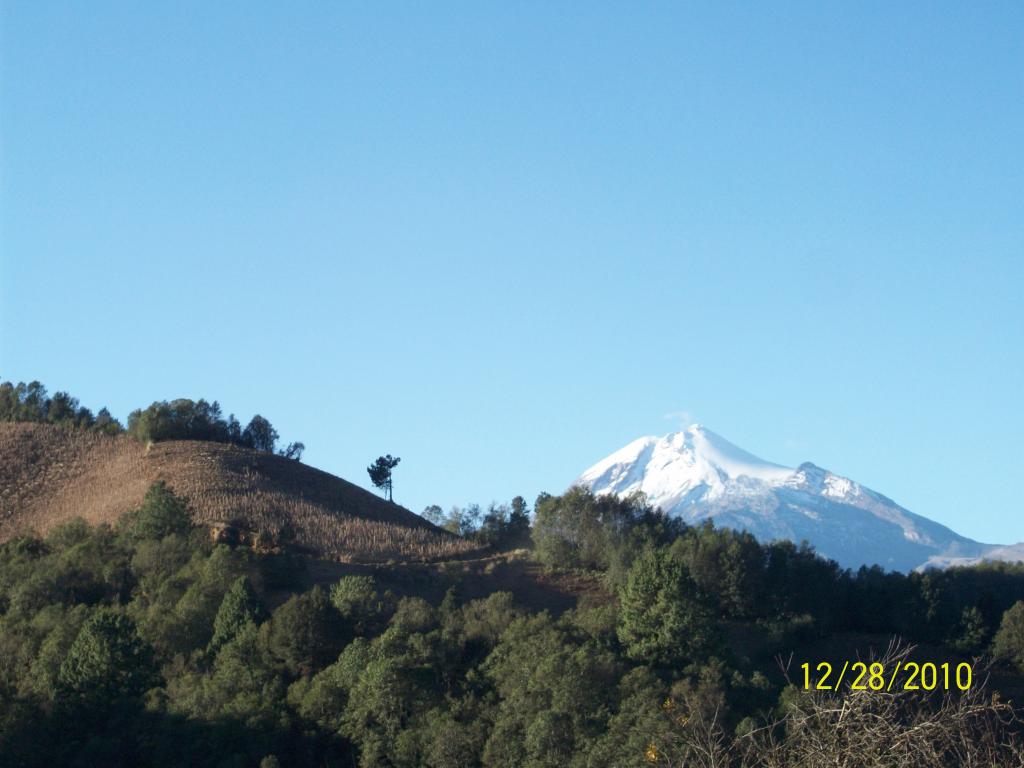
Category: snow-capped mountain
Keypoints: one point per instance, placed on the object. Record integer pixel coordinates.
(696, 475)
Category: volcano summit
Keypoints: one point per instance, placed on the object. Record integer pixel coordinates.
(697, 475)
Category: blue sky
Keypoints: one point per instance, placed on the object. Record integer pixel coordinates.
(502, 240)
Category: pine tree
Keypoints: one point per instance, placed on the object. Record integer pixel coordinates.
(380, 473)
(239, 606)
(662, 620)
(107, 661)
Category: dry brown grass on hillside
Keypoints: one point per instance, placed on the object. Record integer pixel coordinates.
(49, 475)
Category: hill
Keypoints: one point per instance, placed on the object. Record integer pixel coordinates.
(697, 475)
(50, 474)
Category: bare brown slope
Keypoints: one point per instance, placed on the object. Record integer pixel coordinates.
(49, 475)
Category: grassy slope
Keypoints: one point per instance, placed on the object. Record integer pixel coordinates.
(49, 475)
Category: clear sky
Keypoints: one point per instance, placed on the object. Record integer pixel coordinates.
(501, 240)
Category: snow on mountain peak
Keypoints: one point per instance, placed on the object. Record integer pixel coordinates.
(696, 474)
(670, 468)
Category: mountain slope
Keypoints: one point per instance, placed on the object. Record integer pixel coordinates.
(698, 475)
(49, 475)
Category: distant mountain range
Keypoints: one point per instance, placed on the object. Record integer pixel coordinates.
(697, 475)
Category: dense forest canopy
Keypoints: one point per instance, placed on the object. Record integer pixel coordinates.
(148, 644)
(737, 578)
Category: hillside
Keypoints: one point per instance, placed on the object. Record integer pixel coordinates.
(50, 474)
(620, 637)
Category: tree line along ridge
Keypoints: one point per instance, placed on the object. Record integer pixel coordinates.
(179, 419)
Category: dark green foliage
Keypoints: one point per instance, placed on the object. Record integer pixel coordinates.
(553, 687)
(68, 535)
(1008, 645)
(663, 618)
(259, 434)
(106, 423)
(161, 514)
(246, 683)
(501, 526)
(484, 621)
(180, 419)
(306, 632)
(581, 530)
(727, 564)
(293, 451)
(176, 616)
(107, 661)
(799, 581)
(240, 606)
(972, 634)
(322, 699)
(147, 645)
(360, 604)
(30, 402)
(185, 419)
(380, 473)
(69, 570)
(504, 527)
(450, 741)
(102, 655)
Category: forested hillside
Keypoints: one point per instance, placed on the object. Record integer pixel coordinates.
(147, 643)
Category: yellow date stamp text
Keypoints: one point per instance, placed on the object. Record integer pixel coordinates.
(899, 675)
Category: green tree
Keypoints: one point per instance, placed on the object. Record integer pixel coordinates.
(727, 565)
(239, 607)
(505, 527)
(662, 618)
(61, 408)
(1008, 644)
(450, 742)
(293, 451)
(433, 514)
(246, 684)
(185, 419)
(554, 692)
(380, 473)
(360, 604)
(106, 661)
(581, 530)
(305, 632)
(30, 402)
(259, 434)
(518, 533)
(972, 632)
(162, 513)
(106, 423)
